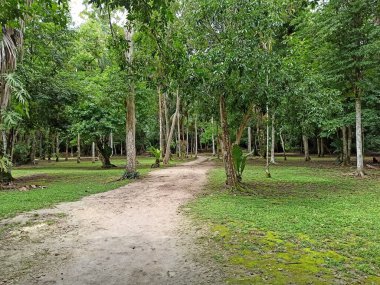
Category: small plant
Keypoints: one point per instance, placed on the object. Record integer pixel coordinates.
(240, 160)
(5, 169)
(156, 154)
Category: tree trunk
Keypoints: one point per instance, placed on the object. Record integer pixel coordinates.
(306, 147)
(322, 147)
(359, 146)
(161, 119)
(179, 133)
(226, 146)
(67, 150)
(170, 137)
(131, 132)
(93, 152)
(344, 145)
(249, 140)
(167, 129)
(33, 152)
(272, 160)
(196, 138)
(111, 144)
(57, 148)
(213, 137)
(247, 116)
(104, 154)
(283, 145)
(319, 147)
(187, 137)
(267, 147)
(349, 144)
(78, 148)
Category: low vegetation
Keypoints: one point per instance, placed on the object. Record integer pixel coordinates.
(308, 224)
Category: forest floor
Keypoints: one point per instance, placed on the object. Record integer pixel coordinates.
(135, 234)
(311, 223)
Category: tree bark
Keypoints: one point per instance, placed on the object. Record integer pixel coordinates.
(179, 133)
(349, 144)
(247, 116)
(111, 144)
(319, 147)
(272, 159)
(226, 146)
(213, 137)
(267, 147)
(161, 119)
(57, 148)
(167, 128)
(93, 152)
(344, 145)
(306, 147)
(78, 150)
(283, 145)
(67, 150)
(130, 134)
(322, 147)
(104, 154)
(170, 137)
(249, 140)
(359, 142)
(196, 138)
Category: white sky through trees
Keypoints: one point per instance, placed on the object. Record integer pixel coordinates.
(76, 7)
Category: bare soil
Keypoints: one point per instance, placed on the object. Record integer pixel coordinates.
(132, 235)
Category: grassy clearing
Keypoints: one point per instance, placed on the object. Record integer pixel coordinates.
(309, 224)
(65, 181)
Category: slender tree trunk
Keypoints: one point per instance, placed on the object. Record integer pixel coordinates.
(33, 152)
(93, 152)
(249, 140)
(179, 133)
(283, 145)
(57, 148)
(247, 116)
(196, 137)
(349, 144)
(306, 147)
(67, 150)
(14, 138)
(213, 137)
(161, 119)
(319, 147)
(111, 144)
(273, 140)
(267, 147)
(232, 180)
(167, 121)
(187, 137)
(72, 151)
(322, 147)
(78, 148)
(344, 145)
(359, 146)
(170, 137)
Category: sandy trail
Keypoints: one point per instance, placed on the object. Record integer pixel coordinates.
(131, 235)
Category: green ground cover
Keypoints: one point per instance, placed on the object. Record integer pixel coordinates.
(65, 181)
(309, 224)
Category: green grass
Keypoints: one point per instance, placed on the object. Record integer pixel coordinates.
(308, 224)
(65, 181)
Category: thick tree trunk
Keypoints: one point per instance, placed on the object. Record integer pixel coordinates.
(249, 140)
(232, 180)
(306, 147)
(78, 148)
(104, 154)
(344, 145)
(283, 145)
(130, 134)
(93, 152)
(170, 137)
(273, 141)
(359, 145)
(319, 147)
(111, 144)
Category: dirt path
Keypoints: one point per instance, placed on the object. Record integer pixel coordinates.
(131, 235)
